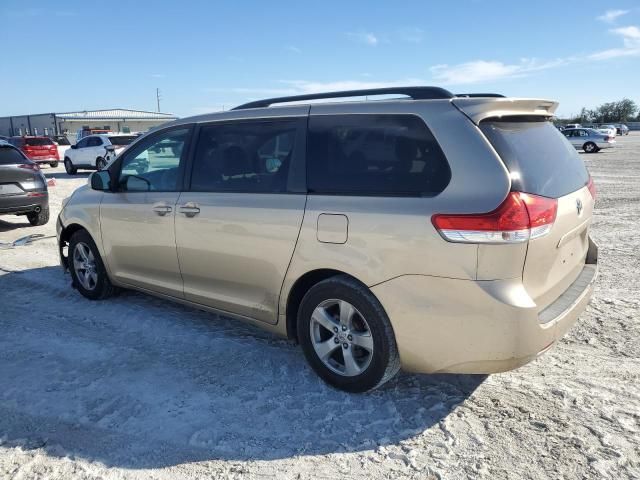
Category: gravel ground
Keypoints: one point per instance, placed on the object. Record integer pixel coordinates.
(136, 387)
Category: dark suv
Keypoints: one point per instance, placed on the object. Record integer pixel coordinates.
(23, 188)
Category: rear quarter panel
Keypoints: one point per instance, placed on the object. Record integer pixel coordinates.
(390, 237)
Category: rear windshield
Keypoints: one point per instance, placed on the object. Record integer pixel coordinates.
(10, 156)
(539, 158)
(38, 142)
(121, 141)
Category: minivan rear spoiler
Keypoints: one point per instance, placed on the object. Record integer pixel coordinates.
(478, 109)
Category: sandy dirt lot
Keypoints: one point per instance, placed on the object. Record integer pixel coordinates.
(136, 387)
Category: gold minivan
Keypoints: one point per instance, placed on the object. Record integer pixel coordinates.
(433, 232)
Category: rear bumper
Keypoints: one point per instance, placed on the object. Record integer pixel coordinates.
(44, 160)
(606, 144)
(20, 204)
(464, 326)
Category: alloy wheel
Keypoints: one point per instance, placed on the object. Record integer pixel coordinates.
(341, 337)
(84, 264)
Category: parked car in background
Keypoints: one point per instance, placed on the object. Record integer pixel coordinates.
(38, 149)
(439, 233)
(588, 139)
(85, 132)
(63, 144)
(608, 130)
(93, 152)
(622, 129)
(23, 188)
(573, 125)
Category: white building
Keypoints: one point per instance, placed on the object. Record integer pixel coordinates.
(115, 120)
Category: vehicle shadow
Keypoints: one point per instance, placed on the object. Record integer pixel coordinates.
(65, 175)
(137, 382)
(13, 225)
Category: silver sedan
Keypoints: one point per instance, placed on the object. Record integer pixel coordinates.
(589, 140)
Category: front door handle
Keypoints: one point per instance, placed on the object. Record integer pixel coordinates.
(190, 209)
(162, 209)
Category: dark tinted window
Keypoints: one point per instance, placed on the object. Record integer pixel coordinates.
(61, 140)
(539, 159)
(244, 157)
(94, 142)
(374, 155)
(121, 141)
(38, 142)
(9, 156)
(83, 143)
(16, 141)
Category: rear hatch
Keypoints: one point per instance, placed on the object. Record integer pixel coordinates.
(542, 162)
(40, 148)
(16, 173)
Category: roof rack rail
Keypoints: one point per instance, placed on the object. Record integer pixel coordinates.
(415, 93)
(479, 95)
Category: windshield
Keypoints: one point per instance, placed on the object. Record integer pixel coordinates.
(122, 140)
(38, 142)
(539, 158)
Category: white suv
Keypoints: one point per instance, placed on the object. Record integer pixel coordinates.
(94, 151)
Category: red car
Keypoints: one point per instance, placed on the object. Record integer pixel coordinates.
(38, 149)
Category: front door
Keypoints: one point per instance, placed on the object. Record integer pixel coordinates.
(237, 226)
(137, 221)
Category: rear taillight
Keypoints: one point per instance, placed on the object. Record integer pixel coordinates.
(610, 139)
(520, 217)
(30, 166)
(592, 188)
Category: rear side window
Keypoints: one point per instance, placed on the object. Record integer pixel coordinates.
(389, 155)
(10, 156)
(38, 142)
(251, 157)
(541, 161)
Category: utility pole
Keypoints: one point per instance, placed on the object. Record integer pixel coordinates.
(158, 98)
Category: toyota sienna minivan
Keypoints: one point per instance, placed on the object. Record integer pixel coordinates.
(433, 232)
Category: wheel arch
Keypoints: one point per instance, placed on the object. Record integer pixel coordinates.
(298, 290)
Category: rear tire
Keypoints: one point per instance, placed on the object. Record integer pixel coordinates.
(88, 273)
(590, 147)
(53, 164)
(68, 166)
(40, 218)
(100, 163)
(346, 335)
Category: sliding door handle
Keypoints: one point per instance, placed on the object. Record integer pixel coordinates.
(189, 209)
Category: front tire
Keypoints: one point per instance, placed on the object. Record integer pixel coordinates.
(40, 218)
(68, 166)
(100, 163)
(87, 270)
(590, 147)
(346, 335)
(53, 164)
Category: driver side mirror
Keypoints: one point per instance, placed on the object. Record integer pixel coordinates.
(100, 181)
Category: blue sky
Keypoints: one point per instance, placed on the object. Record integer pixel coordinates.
(203, 55)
